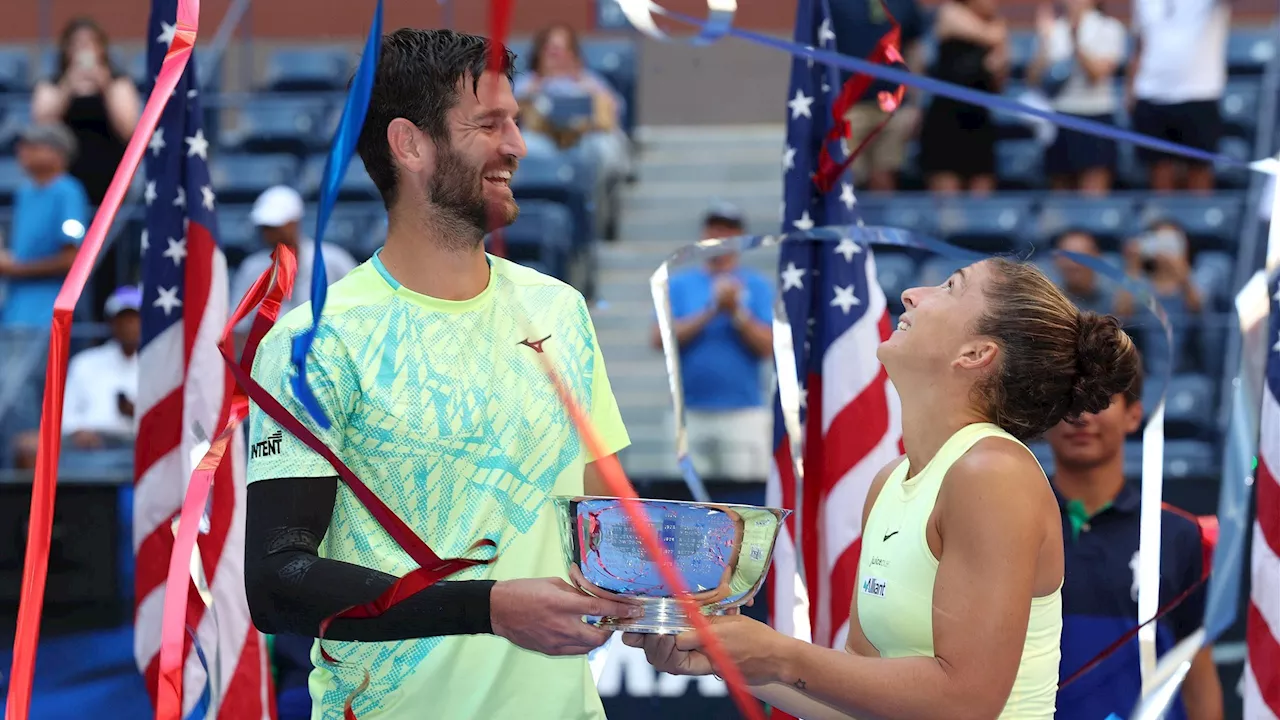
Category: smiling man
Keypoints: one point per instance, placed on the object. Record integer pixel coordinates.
(428, 363)
(1100, 519)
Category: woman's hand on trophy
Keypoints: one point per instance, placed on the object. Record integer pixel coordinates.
(664, 656)
(758, 650)
(546, 615)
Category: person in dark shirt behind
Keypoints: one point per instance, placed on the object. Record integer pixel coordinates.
(1100, 518)
(858, 26)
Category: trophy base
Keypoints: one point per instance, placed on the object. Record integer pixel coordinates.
(662, 616)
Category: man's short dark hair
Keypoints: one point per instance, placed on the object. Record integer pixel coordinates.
(418, 76)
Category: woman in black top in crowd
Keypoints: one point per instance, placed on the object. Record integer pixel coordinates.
(101, 106)
(958, 140)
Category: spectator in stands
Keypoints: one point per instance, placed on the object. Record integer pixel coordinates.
(1079, 282)
(1175, 81)
(558, 77)
(958, 140)
(1161, 258)
(49, 216)
(859, 25)
(101, 106)
(278, 213)
(102, 387)
(722, 315)
(98, 103)
(1100, 590)
(1093, 46)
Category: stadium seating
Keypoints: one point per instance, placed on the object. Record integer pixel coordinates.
(298, 125)
(241, 178)
(14, 70)
(308, 69)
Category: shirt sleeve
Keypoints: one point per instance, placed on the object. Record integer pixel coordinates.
(273, 451)
(605, 416)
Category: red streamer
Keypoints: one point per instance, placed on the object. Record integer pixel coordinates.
(267, 294)
(611, 470)
(36, 563)
(888, 51)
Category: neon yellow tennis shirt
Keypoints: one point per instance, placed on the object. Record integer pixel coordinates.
(444, 410)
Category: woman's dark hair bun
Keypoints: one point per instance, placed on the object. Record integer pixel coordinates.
(1106, 363)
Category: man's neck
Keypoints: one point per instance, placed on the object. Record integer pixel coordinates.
(1093, 486)
(435, 261)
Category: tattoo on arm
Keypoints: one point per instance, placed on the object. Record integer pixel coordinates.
(799, 684)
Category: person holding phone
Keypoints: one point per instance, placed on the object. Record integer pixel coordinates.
(1161, 257)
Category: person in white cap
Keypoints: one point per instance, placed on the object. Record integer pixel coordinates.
(277, 213)
(102, 385)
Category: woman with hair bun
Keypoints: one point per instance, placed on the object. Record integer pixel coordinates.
(957, 607)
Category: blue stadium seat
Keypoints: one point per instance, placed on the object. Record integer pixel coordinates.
(356, 184)
(308, 69)
(990, 224)
(241, 178)
(542, 235)
(1191, 459)
(911, 212)
(1109, 219)
(1044, 454)
(15, 114)
(895, 273)
(616, 61)
(11, 178)
(1249, 49)
(1239, 106)
(1020, 164)
(936, 269)
(236, 233)
(1212, 222)
(560, 180)
(1212, 273)
(282, 124)
(1022, 48)
(1189, 406)
(15, 70)
(1234, 177)
(349, 224)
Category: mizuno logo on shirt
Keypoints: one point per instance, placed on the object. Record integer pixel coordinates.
(537, 346)
(268, 447)
(872, 586)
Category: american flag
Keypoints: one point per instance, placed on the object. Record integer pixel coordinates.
(1262, 669)
(182, 388)
(849, 411)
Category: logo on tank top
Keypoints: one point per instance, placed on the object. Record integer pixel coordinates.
(879, 562)
(873, 586)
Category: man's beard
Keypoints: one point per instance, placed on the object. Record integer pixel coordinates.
(457, 191)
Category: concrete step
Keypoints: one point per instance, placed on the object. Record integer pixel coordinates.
(680, 222)
(681, 168)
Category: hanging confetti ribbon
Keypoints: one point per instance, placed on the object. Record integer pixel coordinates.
(267, 294)
(335, 170)
(719, 19)
(36, 563)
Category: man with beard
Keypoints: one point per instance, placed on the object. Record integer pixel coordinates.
(427, 364)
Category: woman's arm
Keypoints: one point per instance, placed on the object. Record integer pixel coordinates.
(957, 21)
(123, 106)
(48, 103)
(982, 598)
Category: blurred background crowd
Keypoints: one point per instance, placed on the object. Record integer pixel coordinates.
(635, 150)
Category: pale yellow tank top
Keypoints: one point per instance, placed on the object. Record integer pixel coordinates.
(896, 572)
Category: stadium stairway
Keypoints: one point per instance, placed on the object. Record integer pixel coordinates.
(681, 171)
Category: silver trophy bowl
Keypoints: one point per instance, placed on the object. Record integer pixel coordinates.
(722, 552)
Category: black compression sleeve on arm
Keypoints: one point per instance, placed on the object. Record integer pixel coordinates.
(292, 589)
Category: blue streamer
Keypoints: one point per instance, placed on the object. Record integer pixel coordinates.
(963, 94)
(335, 169)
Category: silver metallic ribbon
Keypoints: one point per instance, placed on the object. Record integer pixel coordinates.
(789, 382)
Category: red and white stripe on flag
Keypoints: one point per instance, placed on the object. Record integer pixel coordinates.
(183, 390)
(1262, 669)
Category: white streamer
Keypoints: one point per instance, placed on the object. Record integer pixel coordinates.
(719, 19)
